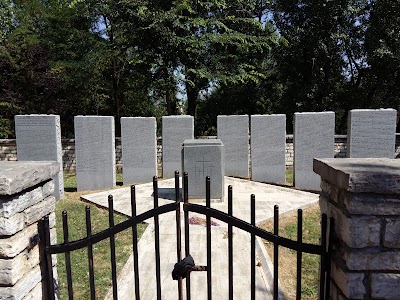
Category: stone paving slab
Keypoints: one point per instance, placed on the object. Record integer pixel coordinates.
(266, 197)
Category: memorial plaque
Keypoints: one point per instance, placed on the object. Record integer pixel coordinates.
(175, 129)
(139, 149)
(371, 133)
(202, 158)
(268, 148)
(95, 152)
(233, 131)
(38, 138)
(313, 137)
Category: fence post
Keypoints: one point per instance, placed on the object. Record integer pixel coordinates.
(363, 198)
(26, 196)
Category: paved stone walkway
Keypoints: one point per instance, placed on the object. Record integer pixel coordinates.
(266, 197)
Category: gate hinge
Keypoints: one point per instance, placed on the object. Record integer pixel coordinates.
(185, 266)
(33, 241)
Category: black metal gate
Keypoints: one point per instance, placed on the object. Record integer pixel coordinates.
(183, 267)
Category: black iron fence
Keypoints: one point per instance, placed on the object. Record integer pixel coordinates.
(183, 267)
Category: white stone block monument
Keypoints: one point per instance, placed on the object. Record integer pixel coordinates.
(268, 146)
(313, 137)
(38, 138)
(95, 152)
(202, 158)
(139, 149)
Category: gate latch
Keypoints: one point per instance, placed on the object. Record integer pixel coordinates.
(185, 266)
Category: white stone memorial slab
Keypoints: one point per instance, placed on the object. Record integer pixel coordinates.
(233, 131)
(313, 137)
(268, 146)
(38, 138)
(139, 149)
(371, 133)
(95, 152)
(175, 129)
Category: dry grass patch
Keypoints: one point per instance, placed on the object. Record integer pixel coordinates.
(288, 257)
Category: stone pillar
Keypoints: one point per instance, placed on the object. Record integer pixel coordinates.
(26, 195)
(363, 197)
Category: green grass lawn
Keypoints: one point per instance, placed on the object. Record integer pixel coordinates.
(101, 251)
(287, 257)
(289, 175)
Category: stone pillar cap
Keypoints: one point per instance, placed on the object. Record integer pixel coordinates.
(368, 175)
(16, 176)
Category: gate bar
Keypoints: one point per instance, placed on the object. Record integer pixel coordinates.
(186, 215)
(47, 267)
(112, 247)
(135, 244)
(323, 257)
(253, 246)
(67, 256)
(230, 244)
(299, 252)
(276, 251)
(329, 255)
(208, 223)
(90, 254)
(157, 238)
(178, 232)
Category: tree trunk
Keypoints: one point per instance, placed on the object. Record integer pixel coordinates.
(191, 93)
(171, 102)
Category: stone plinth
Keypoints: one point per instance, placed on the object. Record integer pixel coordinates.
(26, 196)
(363, 198)
(202, 158)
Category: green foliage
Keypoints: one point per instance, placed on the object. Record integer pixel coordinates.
(134, 58)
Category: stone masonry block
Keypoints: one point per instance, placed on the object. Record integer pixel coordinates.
(366, 175)
(385, 286)
(373, 204)
(12, 270)
(356, 231)
(392, 233)
(18, 176)
(35, 294)
(23, 286)
(34, 213)
(351, 284)
(10, 205)
(12, 246)
(372, 259)
(9, 226)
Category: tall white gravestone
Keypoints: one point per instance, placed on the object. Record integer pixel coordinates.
(371, 133)
(38, 138)
(233, 131)
(95, 152)
(313, 137)
(268, 148)
(175, 129)
(139, 149)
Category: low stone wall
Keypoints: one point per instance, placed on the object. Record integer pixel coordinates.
(363, 198)
(26, 196)
(8, 151)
